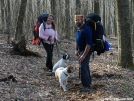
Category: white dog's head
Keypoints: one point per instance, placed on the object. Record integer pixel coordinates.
(63, 62)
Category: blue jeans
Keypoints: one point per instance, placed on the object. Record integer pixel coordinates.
(85, 71)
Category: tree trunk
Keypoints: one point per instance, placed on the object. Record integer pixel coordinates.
(67, 20)
(115, 19)
(8, 20)
(124, 42)
(132, 7)
(19, 28)
(104, 6)
(19, 35)
(2, 15)
(78, 6)
(53, 8)
(96, 7)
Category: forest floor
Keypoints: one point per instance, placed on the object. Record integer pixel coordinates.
(109, 82)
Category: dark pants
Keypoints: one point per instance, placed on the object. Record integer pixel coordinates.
(85, 71)
(49, 51)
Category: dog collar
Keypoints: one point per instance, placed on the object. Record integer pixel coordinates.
(65, 74)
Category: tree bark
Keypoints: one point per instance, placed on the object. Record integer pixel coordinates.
(19, 28)
(2, 15)
(96, 7)
(53, 7)
(78, 6)
(132, 7)
(125, 52)
(8, 20)
(67, 20)
(19, 35)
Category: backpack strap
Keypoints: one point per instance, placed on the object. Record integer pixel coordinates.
(44, 25)
(41, 40)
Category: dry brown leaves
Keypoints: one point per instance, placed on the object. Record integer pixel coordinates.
(34, 83)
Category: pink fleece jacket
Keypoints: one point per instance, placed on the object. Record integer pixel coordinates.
(45, 34)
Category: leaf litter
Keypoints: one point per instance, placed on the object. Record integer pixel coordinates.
(34, 83)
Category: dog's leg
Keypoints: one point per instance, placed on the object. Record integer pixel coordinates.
(60, 81)
(64, 85)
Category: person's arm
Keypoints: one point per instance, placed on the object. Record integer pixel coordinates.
(86, 51)
(41, 32)
(76, 50)
(88, 34)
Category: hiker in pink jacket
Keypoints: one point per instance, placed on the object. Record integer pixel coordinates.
(48, 34)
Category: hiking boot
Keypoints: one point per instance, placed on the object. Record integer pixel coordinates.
(50, 70)
(46, 68)
(84, 89)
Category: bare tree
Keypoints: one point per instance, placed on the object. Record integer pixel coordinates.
(78, 6)
(8, 20)
(53, 7)
(124, 42)
(2, 13)
(67, 20)
(132, 22)
(19, 29)
(96, 7)
(19, 45)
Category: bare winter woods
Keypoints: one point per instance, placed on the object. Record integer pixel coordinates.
(117, 19)
(63, 11)
(33, 83)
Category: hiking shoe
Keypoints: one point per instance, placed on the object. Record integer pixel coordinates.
(84, 89)
(50, 70)
(46, 68)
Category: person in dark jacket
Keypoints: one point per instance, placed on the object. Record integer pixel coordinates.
(83, 51)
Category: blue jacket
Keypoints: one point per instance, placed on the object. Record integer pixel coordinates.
(84, 37)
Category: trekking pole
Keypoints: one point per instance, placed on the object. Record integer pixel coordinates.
(57, 47)
(79, 70)
(51, 50)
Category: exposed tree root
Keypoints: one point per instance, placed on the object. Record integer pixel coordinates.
(19, 48)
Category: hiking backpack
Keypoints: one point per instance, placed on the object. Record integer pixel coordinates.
(94, 21)
(42, 18)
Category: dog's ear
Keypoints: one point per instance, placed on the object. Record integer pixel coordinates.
(69, 69)
(64, 56)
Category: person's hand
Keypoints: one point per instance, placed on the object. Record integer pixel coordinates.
(77, 54)
(49, 38)
(81, 58)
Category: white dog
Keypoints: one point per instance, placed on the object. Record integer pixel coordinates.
(62, 75)
(63, 62)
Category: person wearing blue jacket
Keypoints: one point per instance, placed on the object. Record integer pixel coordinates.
(83, 51)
